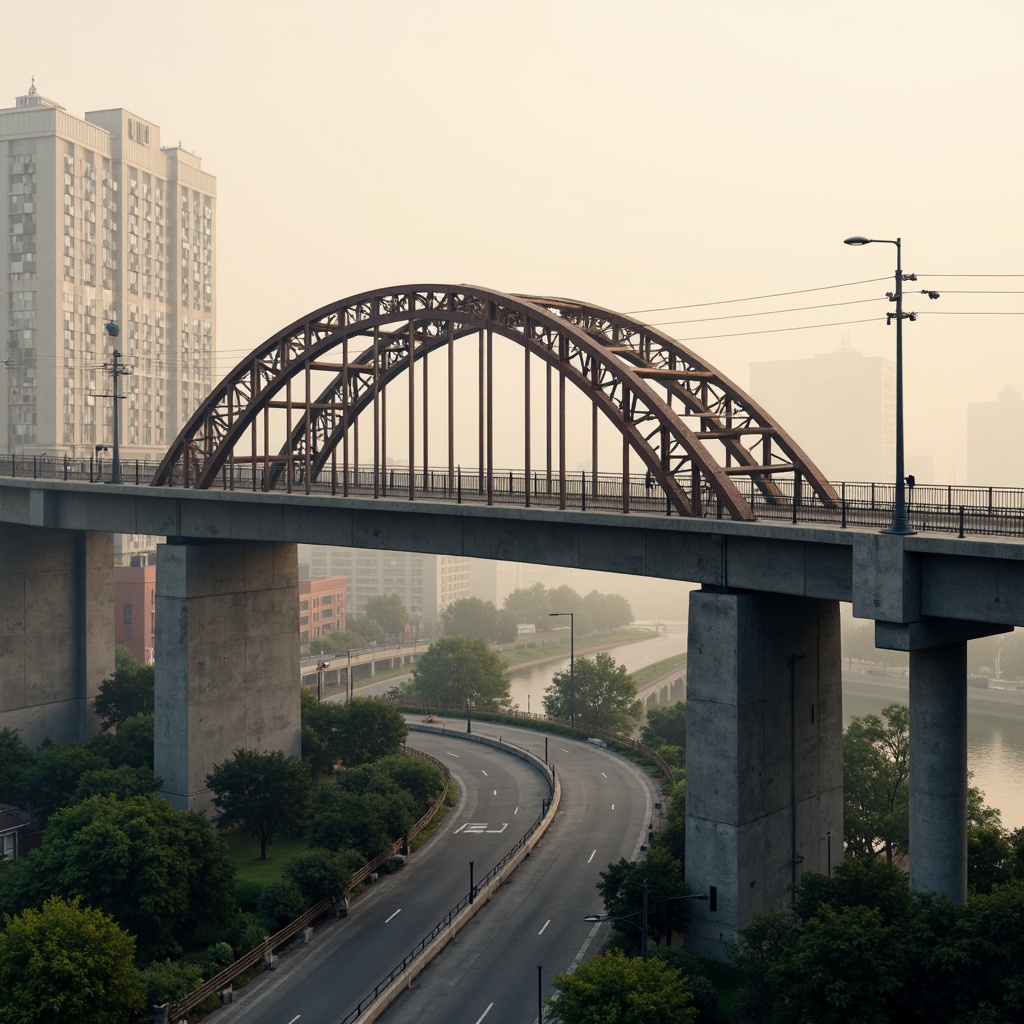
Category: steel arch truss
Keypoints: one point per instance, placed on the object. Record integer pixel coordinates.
(694, 431)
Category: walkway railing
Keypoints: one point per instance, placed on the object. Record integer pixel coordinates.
(960, 510)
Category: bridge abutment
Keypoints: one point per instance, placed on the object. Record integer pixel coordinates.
(763, 754)
(56, 630)
(227, 647)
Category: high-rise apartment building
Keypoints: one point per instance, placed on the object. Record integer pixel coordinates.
(101, 223)
(427, 584)
(995, 456)
(839, 407)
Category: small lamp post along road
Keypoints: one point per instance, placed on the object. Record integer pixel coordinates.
(900, 523)
(469, 712)
(643, 915)
(320, 678)
(572, 665)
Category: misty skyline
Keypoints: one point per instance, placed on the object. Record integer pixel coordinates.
(664, 155)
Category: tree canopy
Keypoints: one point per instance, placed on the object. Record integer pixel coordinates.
(602, 691)
(614, 987)
(455, 669)
(129, 691)
(388, 611)
(480, 620)
(70, 963)
(594, 613)
(349, 734)
(665, 732)
(264, 793)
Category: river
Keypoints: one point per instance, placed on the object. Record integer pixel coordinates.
(995, 720)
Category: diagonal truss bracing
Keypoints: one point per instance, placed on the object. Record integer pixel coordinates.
(290, 414)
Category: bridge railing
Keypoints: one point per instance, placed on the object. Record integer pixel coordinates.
(957, 509)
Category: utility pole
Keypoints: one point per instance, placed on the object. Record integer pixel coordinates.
(117, 370)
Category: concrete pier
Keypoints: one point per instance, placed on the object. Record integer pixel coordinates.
(56, 630)
(763, 754)
(938, 770)
(227, 643)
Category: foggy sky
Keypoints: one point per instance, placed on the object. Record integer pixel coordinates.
(637, 155)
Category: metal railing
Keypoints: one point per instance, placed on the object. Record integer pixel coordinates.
(264, 951)
(961, 510)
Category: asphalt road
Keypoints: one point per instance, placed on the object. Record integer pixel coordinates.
(500, 796)
(489, 975)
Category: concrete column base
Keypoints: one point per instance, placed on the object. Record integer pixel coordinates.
(56, 630)
(227, 660)
(938, 770)
(763, 755)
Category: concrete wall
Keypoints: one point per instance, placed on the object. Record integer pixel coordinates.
(764, 753)
(227, 646)
(56, 630)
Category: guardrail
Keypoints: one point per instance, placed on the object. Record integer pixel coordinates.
(263, 952)
(963, 510)
(449, 925)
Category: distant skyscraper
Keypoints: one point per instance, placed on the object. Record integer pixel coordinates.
(995, 454)
(100, 223)
(839, 407)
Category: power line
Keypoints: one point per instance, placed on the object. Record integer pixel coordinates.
(781, 330)
(767, 312)
(754, 298)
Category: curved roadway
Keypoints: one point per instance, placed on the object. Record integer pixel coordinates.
(489, 972)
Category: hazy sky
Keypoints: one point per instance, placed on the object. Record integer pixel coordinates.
(637, 155)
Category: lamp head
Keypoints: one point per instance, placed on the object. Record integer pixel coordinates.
(857, 240)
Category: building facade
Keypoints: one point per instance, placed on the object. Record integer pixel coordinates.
(427, 584)
(135, 607)
(995, 456)
(321, 607)
(839, 407)
(101, 224)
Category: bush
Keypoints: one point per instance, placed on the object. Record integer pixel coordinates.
(245, 933)
(282, 902)
(168, 980)
(216, 957)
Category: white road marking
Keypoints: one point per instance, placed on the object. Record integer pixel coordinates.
(515, 812)
(394, 915)
(604, 775)
(485, 774)
(484, 1014)
(546, 923)
(295, 1018)
(450, 754)
(497, 831)
(563, 750)
(591, 857)
(495, 792)
(613, 807)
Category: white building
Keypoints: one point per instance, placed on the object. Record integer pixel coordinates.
(839, 407)
(995, 455)
(101, 223)
(427, 584)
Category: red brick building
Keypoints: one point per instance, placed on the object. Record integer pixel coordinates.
(321, 607)
(135, 607)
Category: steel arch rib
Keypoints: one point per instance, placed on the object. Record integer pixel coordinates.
(210, 435)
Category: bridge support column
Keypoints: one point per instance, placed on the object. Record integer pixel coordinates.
(227, 647)
(763, 754)
(938, 770)
(56, 630)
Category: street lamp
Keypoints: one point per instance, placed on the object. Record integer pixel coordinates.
(469, 712)
(320, 679)
(899, 524)
(643, 913)
(572, 665)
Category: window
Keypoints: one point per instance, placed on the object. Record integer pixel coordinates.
(128, 615)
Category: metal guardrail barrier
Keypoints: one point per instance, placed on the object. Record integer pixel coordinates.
(961, 510)
(220, 981)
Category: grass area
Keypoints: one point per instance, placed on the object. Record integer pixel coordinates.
(245, 855)
(545, 652)
(644, 675)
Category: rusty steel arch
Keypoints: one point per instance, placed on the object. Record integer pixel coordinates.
(642, 382)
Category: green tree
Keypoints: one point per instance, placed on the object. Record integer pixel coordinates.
(53, 777)
(16, 757)
(673, 836)
(876, 773)
(322, 874)
(613, 987)
(349, 734)
(605, 694)
(529, 605)
(129, 691)
(131, 745)
(158, 871)
(167, 981)
(601, 613)
(455, 669)
(366, 631)
(622, 890)
(335, 643)
(121, 782)
(480, 620)
(665, 732)
(263, 793)
(68, 963)
(388, 611)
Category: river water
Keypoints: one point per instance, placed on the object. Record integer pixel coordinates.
(995, 720)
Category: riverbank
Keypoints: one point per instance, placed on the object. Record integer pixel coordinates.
(991, 702)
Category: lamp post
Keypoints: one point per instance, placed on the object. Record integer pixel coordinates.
(469, 711)
(572, 665)
(118, 370)
(899, 524)
(320, 678)
(643, 914)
